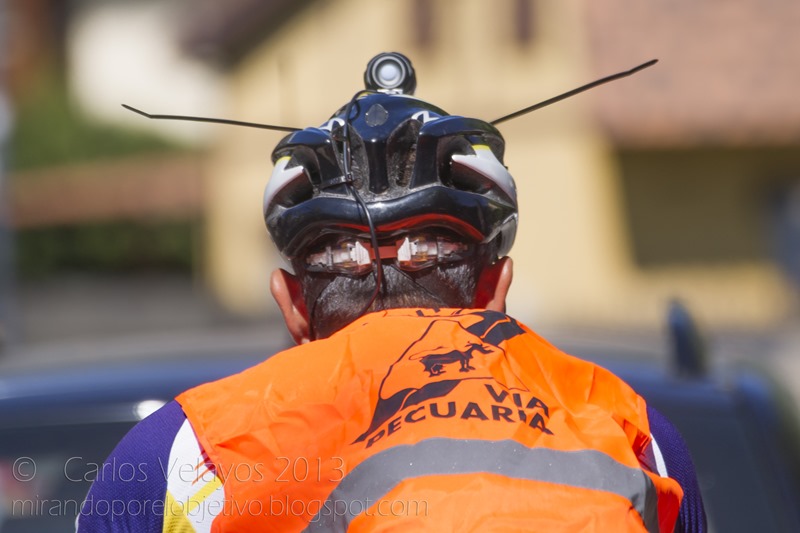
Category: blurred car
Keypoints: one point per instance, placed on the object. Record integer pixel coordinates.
(59, 421)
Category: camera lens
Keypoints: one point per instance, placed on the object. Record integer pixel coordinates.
(391, 72)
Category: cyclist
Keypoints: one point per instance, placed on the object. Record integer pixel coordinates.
(412, 400)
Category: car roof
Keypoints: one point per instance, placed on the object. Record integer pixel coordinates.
(45, 383)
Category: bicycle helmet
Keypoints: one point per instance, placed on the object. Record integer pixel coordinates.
(412, 164)
(416, 165)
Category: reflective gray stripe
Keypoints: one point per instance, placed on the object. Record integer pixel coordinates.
(375, 477)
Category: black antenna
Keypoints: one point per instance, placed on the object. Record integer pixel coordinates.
(213, 120)
(573, 92)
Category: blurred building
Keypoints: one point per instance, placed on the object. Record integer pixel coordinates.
(105, 217)
(666, 184)
(653, 187)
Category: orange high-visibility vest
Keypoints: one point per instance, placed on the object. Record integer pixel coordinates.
(448, 420)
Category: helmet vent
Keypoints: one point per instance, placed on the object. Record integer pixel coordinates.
(466, 179)
(295, 192)
(359, 167)
(402, 152)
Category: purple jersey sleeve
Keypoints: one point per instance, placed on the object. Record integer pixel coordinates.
(692, 516)
(129, 492)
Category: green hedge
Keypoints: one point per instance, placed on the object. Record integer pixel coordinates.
(48, 131)
(116, 248)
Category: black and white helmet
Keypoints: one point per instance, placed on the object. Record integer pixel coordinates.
(413, 165)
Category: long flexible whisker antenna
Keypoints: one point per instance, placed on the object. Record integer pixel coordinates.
(573, 92)
(212, 120)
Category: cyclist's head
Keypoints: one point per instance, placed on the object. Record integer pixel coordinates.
(392, 172)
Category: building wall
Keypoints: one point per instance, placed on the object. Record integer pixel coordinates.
(574, 258)
(129, 51)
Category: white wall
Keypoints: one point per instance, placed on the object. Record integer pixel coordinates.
(127, 51)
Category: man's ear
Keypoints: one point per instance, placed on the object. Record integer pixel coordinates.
(493, 285)
(285, 288)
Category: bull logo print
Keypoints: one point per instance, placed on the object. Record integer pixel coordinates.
(428, 368)
(434, 363)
